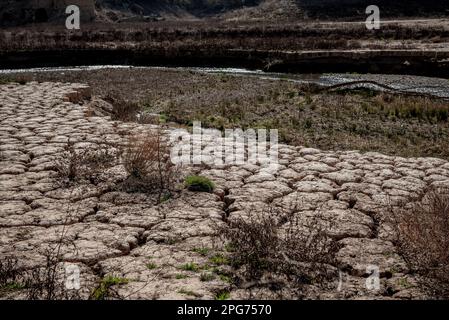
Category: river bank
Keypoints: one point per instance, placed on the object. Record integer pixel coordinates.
(419, 47)
(363, 117)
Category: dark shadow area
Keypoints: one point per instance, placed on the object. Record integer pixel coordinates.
(41, 15)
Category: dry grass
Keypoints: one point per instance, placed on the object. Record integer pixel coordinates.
(84, 165)
(423, 239)
(44, 282)
(214, 36)
(122, 110)
(346, 120)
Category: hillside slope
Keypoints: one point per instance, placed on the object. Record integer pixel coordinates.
(16, 12)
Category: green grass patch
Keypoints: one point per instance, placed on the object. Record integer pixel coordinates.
(219, 259)
(199, 184)
(190, 267)
(222, 295)
(206, 277)
(12, 286)
(151, 266)
(102, 290)
(201, 251)
(225, 278)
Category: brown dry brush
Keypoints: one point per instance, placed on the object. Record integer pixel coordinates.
(42, 282)
(85, 165)
(208, 35)
(37, 283)
(122, 110)
(146, 159)
(423, 240)
(273, 250)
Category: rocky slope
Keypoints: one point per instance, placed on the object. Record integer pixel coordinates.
(114, 232)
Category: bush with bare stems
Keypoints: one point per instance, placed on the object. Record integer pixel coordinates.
(423, 240)
(44, 282)
(84, 165)
(123, 110)
(274, 250)
(146, 159)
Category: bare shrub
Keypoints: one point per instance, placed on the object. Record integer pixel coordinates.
(146, 159)
(9, 273)
(269, 248)
(123, 110)
(38, 283)
(47, 282)
(423, 240)
(84, 165)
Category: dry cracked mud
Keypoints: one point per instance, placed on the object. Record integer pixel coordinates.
(114, 232)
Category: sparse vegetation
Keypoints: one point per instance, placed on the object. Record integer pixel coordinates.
(205, 277)
(222, 295)
(423, 240)
(6, 79)
(36, 283)
(218, 259)
(202, 251)
(173, 36)
(105, 289)
(189, 293)
(122, 110)
(146, 159)
(275, 250)
(362, 120)
(151, 266)
(84, 165)
(190, 267)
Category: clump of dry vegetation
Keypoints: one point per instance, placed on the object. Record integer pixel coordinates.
(123, 110)
(84, 165)
(146, 159)
(44, 282)
(423, 240)
(279, 252)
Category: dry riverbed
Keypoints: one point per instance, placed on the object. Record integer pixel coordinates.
(366, 120)
(169, 250)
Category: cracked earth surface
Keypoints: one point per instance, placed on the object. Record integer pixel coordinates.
(116, 232)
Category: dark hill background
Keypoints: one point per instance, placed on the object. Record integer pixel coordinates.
(16, 12)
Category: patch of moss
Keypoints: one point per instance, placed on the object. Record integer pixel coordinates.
(199, 184)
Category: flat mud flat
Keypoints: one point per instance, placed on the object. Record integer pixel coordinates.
(128, 235)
